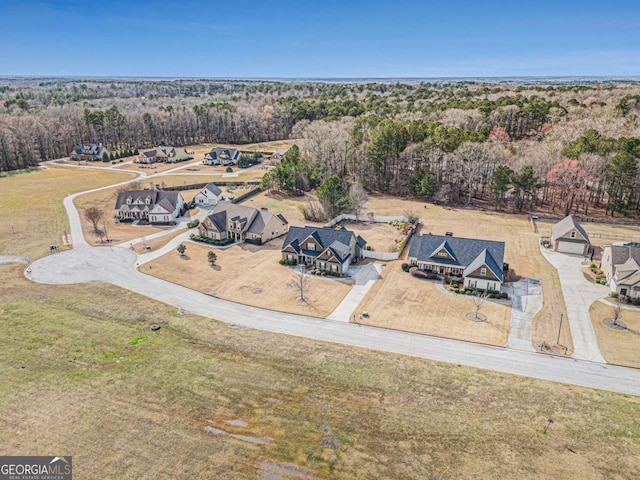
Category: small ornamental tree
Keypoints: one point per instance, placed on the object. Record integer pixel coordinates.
(181, 249)
(105, 157)
(212, 257)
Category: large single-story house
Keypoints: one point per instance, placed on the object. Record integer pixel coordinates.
(209, 196)
(621, 265)
(478, 262)
(156, 206)
(329, 249)
(88, 152)
(222, 156)
(243, 223)
(567, 236)
(164, 154)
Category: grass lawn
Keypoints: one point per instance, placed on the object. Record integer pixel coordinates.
(248, 274)
(617, 346)
(73, 383)
(33, 203)
(522, 252)
(403, 301)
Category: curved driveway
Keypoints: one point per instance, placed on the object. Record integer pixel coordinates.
(116, 265)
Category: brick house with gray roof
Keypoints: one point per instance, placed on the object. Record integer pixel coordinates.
(478, 262)
(222, 156)
(330, 249)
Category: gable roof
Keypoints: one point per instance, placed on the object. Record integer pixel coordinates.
(625, 258)
(465, 252)
(251, 219)
(89, 149)
(168, 200)
(211, 188)
(443, 246)
(484, 258)
(564, 226)
(224, 153)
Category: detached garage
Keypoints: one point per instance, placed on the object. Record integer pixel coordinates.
(567, 236)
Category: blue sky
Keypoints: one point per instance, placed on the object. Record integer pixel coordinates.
(321, 38)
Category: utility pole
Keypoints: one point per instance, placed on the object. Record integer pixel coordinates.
(560, 328)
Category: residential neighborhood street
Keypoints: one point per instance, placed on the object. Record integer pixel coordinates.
(117, 265)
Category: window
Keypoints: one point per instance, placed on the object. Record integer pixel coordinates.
(573, 234)
(311, 246)
(442, 254)
(483, 271)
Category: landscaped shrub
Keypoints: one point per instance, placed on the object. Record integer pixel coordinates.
(592, 266)
(614, 294)
(447, 280)
(504, 295)
(284, 261)
(405, 267)
(193, 223)
(228, 170)
(455, 284)
(256, 241)
(211, 241)
(125, 220)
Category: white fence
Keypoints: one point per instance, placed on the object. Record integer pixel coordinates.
(364, 218)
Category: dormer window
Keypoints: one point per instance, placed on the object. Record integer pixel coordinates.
(147, 201)
(129, 201)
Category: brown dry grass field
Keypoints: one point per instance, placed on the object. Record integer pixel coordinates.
(33, 203)
(156, 243)
(381, 236)
(73, 383)
(290, 207)
(248, 274)
(617, 346)
(521, 252)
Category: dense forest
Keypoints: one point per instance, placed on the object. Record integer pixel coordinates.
(565, 147)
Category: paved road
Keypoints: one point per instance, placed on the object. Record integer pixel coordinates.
(579, 294)
(527, 301)
(116, 265)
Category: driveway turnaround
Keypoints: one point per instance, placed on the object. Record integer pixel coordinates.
(116, 265)
(579, 294)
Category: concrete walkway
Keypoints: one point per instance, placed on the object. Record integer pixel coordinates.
(579, 294)
(365, 277)
(526, 295)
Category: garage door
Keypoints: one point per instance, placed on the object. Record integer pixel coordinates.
(570, 247)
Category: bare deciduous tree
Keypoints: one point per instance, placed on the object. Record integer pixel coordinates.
(478, 302)
(300, 283)
(618, 309)
(94, 215)
(357, 198)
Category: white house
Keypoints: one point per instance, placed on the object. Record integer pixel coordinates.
(209, 196)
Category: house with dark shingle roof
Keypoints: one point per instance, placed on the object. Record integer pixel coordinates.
(164, 154)
(88, 152)
(568, 236)
(330, 249)
(242, 223)
(156, 206)
(209, 196)
(478, 262)
(621, 266)
(222, 156)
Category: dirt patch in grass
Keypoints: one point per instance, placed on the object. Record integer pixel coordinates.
(71, 382)
(403, 301)
(33, 203)
(248, 274)
(522, 252)
(617, 346)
